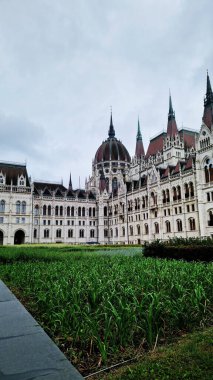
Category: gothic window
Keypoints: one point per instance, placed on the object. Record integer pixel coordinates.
(18, 207)
(58, 233)
(56, 210)
(93, 211)
(92, 233)
(105, 233)
(191, 224)
(174, 193)
(138, 229)
(68, 211)
(90, 211)
(156, 228)
(131, 230)
(105, 211)
(72, 211)
(49, 210)
(167, 195)
(21, 181)
(186, 187)
(210, 221)
(61, 210)
(46, 233)
(83, 211)
(35, 233)
(114, 184)
(111, 232)
(146, 228)
(178, 192)
(23, 207)
(116, 232)
(2, 206)
(179, 225)
(70, 233)
(36, 210)
(81, 233)
(168, 226)
(191, 189)
(123, 231)
(79, 212)
(44, 210)
(164, 196)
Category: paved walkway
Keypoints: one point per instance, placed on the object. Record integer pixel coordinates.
(26, 351)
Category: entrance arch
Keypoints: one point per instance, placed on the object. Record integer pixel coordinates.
(1, 238)
(19, 237)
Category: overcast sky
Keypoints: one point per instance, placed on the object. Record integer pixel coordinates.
(65, 62)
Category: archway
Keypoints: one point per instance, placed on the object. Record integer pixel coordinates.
(19, 237)
(1, 238)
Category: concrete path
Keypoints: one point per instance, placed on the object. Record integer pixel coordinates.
(26, 351)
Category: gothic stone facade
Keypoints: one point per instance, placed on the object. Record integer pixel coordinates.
(165, 192)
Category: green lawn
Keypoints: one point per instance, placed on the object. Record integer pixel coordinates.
(103, 305)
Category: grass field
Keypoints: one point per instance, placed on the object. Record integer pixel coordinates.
(102, 305)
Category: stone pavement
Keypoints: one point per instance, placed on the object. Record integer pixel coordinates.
(26, 351)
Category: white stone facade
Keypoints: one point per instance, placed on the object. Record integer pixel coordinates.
(165, 193)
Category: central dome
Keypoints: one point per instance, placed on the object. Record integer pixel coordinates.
(112, 149)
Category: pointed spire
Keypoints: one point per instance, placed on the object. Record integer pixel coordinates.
(111, 132)
(208, 104)
(70, 183)
(139, 149)
(139, 136)
(209, 95)
(171, 125)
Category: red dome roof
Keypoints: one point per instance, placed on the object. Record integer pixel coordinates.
(112, 150)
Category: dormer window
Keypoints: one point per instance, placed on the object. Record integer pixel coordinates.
(2, 179)
(22, 181)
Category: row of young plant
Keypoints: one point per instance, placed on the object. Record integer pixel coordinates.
(98, 306)
(191, 249)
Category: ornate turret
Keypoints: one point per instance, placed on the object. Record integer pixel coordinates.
(139, 149)
(208, 104)
(171, 125)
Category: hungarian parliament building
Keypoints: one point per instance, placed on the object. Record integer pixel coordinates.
(162, 193)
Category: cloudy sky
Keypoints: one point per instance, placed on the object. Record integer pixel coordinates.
(64, 63)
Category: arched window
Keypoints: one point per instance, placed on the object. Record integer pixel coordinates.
(2, 206)
(61, 210)
(93, 211)
(46, 233)
(105, 233)
(23, 207)
(191, 189)
(58, 233)
(90, 211)
(178, 192)
(116, 232)
(186, 187)
(81, 233)
(56, 210)
(210, 221)
(164, 196)
(156, 228)
(36, 210)
(105, 210)
(174, 193)
(131, 230)
(146, 229)
(35, 233)
(114, 184)
(18, 207)
(49, 210)
(143, 202)
(70, 233)
(79, 212)
(68, 211)
(111, 232)
(123, 231)
(191, 224)
(44, 210)
(72, 211)
(138, 229)
(167, 195)
(168, 226)
(83, 211)
(92, 233)
(179, 225)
